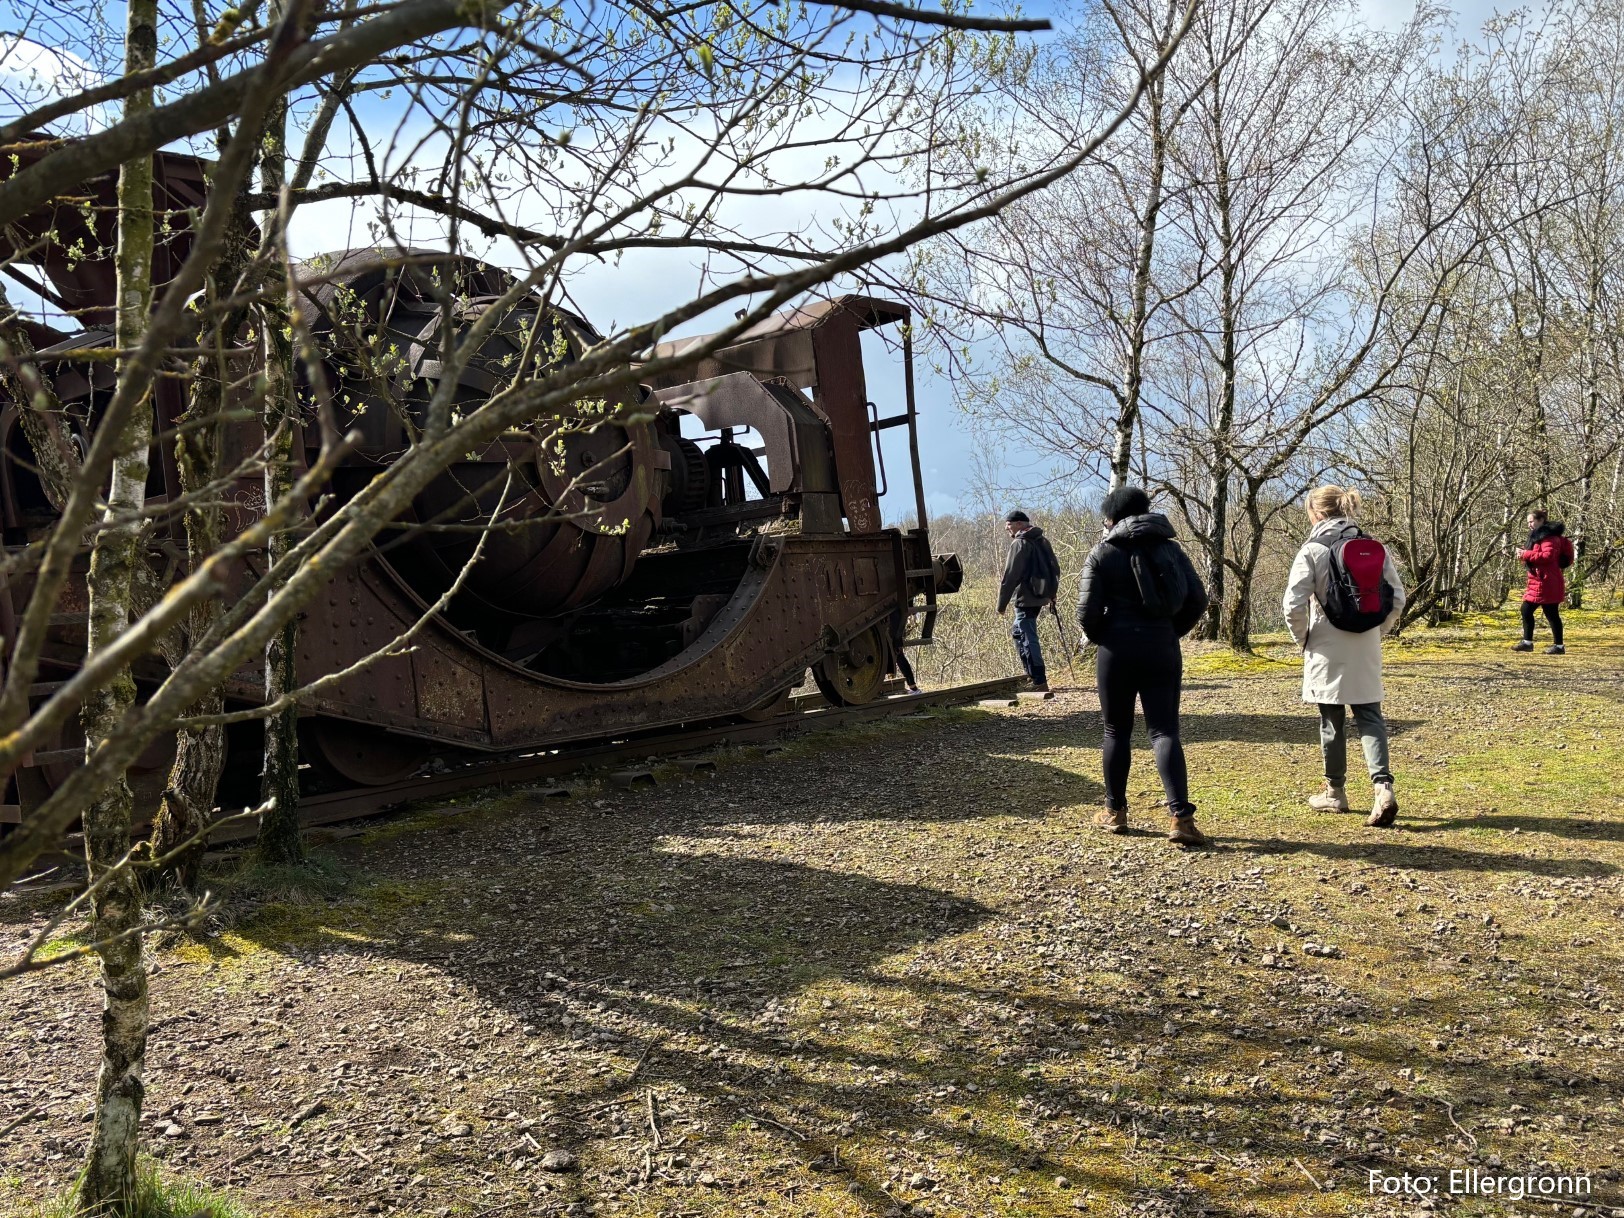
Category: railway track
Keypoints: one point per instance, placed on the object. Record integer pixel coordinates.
(805, 715)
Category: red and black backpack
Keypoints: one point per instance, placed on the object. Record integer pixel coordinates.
(1357, 598)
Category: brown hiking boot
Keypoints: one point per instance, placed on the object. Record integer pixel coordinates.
(1385, 811)
(1184, 833)
(1332, 799)
(1112, 820)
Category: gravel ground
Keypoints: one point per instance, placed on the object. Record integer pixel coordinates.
(893, 971)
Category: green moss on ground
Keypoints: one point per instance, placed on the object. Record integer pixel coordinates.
(896, 971)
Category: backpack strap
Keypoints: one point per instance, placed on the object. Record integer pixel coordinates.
(1344, 535)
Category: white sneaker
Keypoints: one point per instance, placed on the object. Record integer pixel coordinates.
(1331, 799)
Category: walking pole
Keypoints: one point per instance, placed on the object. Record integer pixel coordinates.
(1061, 628)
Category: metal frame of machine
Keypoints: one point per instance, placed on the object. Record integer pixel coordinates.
(646, 582)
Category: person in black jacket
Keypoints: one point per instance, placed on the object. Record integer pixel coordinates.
(1031, 578)
(1140, 595)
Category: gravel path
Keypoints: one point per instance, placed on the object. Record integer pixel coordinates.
(893, 971)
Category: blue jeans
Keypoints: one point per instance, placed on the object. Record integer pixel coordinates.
(1025, 634)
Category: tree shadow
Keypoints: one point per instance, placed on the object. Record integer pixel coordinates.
(1202, 727)
(1577, 827)
(1429, 857)
(657, 948)
(652, 944)
(668, 921)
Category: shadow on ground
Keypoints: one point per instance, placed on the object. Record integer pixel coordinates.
(1579, 828)
(1393, 851)
(1200, 727)
(667, 915)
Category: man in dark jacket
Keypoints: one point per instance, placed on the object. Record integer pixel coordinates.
(1140, 595)
(1031, 577)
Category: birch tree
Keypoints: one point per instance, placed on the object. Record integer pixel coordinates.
(109, 1176)
(553, 140)
(1067, 286)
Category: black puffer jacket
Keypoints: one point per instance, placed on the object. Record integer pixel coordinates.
(1110, 600)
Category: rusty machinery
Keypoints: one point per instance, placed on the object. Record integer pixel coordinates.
(679, 559)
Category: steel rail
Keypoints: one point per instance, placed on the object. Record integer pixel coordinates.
(356, 802)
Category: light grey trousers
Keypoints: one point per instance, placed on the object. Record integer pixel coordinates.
(1367, 718)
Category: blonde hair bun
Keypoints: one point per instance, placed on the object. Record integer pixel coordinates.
(1334, 501)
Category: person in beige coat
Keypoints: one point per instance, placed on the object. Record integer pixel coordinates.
(1341, 669)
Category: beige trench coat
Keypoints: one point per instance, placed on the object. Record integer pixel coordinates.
(1338, 667)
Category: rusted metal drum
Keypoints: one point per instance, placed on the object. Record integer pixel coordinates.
(564, 503)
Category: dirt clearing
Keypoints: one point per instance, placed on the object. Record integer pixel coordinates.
(893, 970)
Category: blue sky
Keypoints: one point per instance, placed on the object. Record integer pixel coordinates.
(948, 445)
(641, 286)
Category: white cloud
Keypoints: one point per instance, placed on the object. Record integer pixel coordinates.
(32, 74)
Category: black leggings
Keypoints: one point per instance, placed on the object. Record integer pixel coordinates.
(1152, 671)
(905, 668)
(1553, 615)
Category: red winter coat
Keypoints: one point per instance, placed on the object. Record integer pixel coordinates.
(1544, 555)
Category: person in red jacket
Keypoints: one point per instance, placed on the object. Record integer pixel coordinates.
(1547, 553)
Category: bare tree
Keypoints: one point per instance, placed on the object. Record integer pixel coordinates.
(1067, 286)
(1502, 402)
(661, 136)
(109, 1176)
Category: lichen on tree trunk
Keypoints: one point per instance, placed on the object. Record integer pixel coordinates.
(39, 412)
(279, 842)
(200, 752)
(108, 1183)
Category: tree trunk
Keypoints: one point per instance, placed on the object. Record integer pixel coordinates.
(200, 753)
(1238, 619)
(39, 413)
(1149, 224)
(1239, 636)
(1587, 449)
(1213, 544)
(279, 842)
(108, 1183)
(1508, 524)
(1601, 562)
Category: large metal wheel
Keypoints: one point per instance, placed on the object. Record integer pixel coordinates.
(343, 754)
(769, 709)
(854, 674)
(147, 776)
(589, 489)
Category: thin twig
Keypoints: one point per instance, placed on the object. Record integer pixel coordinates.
(595, 1109)
(794, 1133)
(1449, 1111)
(643, 1057)
(653, 1121)
(1318, 1187)
(22, 1120)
